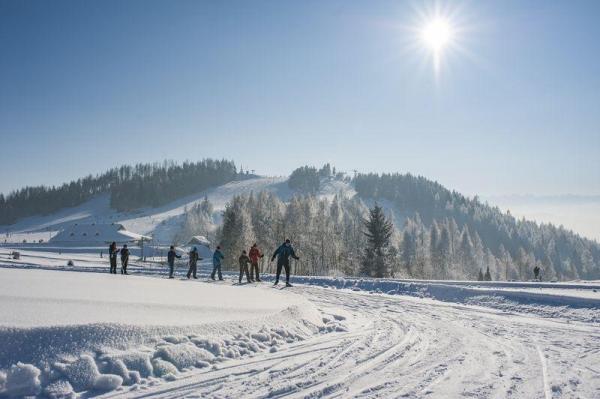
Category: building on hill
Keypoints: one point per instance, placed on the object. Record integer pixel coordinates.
(98, 234)
(199, 240)
(202, 244)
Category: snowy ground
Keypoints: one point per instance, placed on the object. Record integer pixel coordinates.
(145, 336)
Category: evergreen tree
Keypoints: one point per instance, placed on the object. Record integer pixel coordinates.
(378, 232)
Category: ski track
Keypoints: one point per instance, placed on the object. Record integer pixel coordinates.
(399, 347)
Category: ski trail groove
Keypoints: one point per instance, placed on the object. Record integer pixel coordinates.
(400, 347)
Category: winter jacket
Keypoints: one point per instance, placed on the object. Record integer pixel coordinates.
(283, 254)
(217, 257)
(171, 256)
(124, 253)
(244, 260)
(254, 254)
(113, 251)
(194, 257)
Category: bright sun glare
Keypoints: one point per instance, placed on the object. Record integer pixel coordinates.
(437, 33)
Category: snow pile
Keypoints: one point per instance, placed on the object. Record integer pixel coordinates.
(20, 380)
(49, 346)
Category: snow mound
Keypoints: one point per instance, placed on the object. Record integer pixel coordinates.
(21, 380)
(60, 354)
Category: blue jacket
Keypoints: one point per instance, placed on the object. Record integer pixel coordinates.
(283, 253)
(217, 256)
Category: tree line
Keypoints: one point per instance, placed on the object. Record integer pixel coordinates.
(129, 187)
(457, 230)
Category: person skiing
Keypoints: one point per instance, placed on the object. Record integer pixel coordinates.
(244, 260)
(124, 259)
(112, 255)
(254, 256)
(171, 260)
(536, 272)
(217, 257)
(194, 258)
(283, 254)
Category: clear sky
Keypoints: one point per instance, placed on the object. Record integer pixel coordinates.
(273, 85)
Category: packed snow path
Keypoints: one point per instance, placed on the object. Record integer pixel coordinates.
(408, 347)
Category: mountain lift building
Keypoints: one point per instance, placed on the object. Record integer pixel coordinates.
(96, 234)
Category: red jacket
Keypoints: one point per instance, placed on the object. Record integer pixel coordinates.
(254, 254)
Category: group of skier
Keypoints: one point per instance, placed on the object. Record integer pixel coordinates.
(112, 255)
(283, 254)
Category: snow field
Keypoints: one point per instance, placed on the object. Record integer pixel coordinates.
(133, 336)
(63, 333)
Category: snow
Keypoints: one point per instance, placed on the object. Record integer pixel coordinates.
(142, 335)
(83, 298)
(161, 223)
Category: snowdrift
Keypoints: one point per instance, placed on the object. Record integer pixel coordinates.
(73, 332)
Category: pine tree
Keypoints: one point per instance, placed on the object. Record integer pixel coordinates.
(379, 231)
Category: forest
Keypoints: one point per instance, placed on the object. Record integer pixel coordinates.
(129, 187)
(436, 233)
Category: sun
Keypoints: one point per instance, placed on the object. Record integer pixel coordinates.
(437, 33)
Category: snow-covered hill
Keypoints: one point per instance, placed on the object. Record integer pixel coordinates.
(163, 222)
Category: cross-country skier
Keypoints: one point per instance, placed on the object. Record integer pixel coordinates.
(254, 256)
(194, 258)
(217, 258)
(244, 260)
(112, 255)
(536, 272)
(171, 260)
(124, 259)
(283, 254)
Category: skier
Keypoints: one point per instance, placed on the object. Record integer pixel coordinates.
(244, 260)
(217, 257)
(536, 272)
(171, 260)
(112, 255)
(283, 254)
(254, 256)
(124, 259)
(194, 258)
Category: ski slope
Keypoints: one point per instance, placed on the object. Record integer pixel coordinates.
(142, 335)
(163, 222)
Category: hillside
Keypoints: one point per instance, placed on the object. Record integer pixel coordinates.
(439, 234)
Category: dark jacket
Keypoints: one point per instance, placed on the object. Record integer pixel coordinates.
(125, 254)
(244, 260)
(113, 251)
(171, 256)
(194, 257)
(283, 254)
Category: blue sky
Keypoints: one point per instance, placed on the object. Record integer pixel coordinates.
(273, 85)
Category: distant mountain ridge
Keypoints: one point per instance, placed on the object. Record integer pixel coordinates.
(439, 233)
